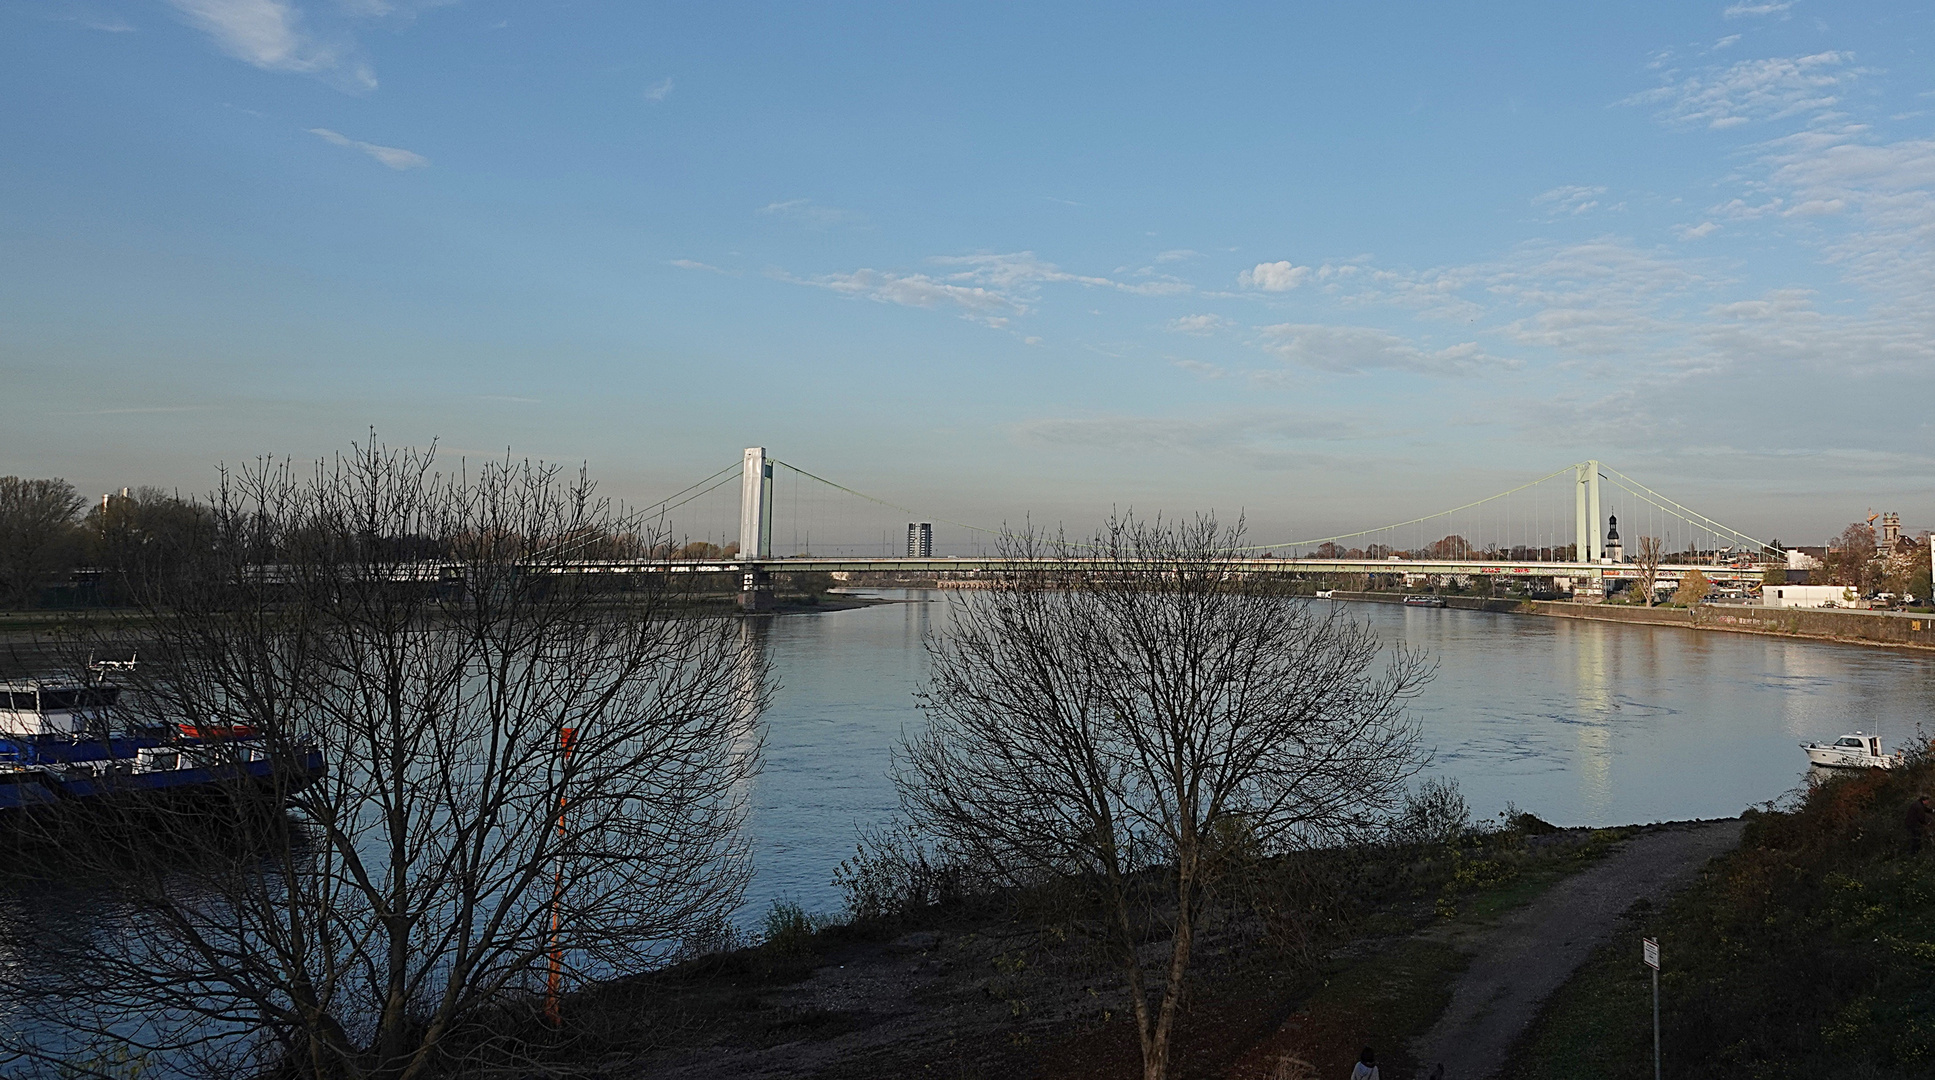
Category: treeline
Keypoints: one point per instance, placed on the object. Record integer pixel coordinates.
(48, 534)
(527, 786)
(1856, 559)
(57, 551)
(1447, 548)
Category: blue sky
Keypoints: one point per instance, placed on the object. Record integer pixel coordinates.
(1331, 265)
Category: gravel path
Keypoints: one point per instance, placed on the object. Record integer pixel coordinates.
(1532, 951)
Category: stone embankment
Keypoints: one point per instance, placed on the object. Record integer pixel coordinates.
(1821, 624)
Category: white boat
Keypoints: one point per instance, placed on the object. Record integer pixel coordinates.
(1856, 751)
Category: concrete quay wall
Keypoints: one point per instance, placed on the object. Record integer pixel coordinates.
(1823, 624)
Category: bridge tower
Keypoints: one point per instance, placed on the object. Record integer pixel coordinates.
(1589, 543)
(755, 529)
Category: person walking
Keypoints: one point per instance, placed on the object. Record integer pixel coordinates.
(1366, 1067)
(1920, 816)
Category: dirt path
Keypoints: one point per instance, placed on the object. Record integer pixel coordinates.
(1529, 953)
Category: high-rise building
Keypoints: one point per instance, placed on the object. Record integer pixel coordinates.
(920, 539)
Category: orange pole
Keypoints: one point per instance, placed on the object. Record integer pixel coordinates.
(553, 1013)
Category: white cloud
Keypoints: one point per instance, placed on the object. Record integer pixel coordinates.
(1202, 369)
(1753, 90)
(986, 288)
(395, 158)
(1437, 294)
(1570, 199)
(660, 90)
(1198, 324)
(1024, 272)
(694, 264)
(1358, 349)
(270, 35)
(808, 212)
(1601, 298)
(919, 290)
(1696, 232)
(1273, 276)
(1779, 303)
(1765, 7)
(1178, 255)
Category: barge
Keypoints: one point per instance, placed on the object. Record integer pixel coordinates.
(59, 746)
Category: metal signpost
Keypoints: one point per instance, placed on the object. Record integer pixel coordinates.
(1650, 952)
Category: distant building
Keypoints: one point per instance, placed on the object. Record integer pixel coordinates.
(1615, 551)
(1805, 558)
(1807, 596)
(920, 539)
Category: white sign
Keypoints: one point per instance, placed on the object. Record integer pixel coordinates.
(1651, 949)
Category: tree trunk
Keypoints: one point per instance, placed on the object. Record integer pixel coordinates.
(1155, 1058)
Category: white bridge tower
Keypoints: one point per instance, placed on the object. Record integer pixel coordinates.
(755, 528)
(1589, 543)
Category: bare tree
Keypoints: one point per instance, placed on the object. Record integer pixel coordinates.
(1648, 557)
(535, 775)
(1129, 721)
(38, 538)
(1851, 559)
(1908, 568)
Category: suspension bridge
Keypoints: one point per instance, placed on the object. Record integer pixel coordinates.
(1557, 527)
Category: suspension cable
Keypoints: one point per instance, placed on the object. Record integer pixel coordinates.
(1413, 521)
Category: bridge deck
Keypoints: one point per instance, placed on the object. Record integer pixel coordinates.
(973, 564)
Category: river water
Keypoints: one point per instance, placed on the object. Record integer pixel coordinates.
(1581, 723)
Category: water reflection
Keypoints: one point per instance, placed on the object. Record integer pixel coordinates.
(1582, 723)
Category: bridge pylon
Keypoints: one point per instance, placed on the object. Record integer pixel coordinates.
(755, 528)
(1589, 542)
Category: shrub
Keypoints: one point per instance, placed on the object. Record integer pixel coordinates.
(895, 872)
(1811, 950)
(1435, 812)
(790, 928)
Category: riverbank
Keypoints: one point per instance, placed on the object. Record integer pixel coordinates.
(1807, 953)
(33, 642)
(1005, 987)
(1818, 624)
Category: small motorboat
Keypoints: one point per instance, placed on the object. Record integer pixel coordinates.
(1855, 751)
(1424, 600)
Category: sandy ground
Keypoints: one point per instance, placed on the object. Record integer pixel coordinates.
(1529, 953)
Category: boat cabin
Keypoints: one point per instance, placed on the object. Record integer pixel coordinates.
(54, 708)
(1860, 744)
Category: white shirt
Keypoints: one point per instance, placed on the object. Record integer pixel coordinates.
(1364, 1072)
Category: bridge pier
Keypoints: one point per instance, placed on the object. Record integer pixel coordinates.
(755, 589)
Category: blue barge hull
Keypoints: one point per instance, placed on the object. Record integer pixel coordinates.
(24, 789)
